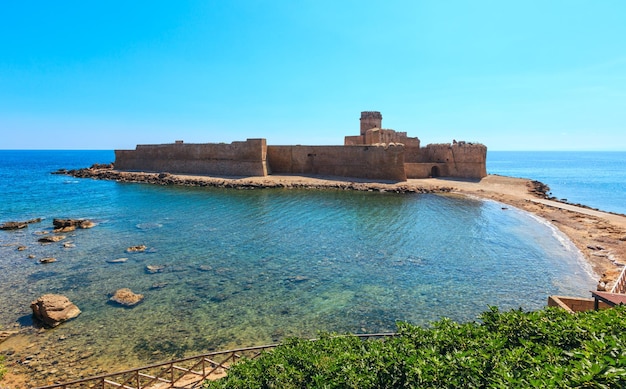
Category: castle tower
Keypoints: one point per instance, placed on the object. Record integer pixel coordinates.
(369, 120)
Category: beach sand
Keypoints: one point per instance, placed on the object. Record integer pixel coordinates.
(600, 236)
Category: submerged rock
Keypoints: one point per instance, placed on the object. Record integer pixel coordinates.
(47, 260)
(155, 268)
(218, 298)
(298, 278)
(136, 249)
(126, 297)
(51, 238)
(117, 260)
(53, 309)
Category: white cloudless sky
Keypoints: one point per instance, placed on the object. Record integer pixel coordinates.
(514, 75)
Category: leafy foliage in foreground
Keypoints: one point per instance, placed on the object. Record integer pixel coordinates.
(547, 348)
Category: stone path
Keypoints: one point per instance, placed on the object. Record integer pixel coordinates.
(617, 219)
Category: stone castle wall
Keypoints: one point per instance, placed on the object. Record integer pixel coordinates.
(463, 160)
(371, 162)
(247, 158)
(379, 154)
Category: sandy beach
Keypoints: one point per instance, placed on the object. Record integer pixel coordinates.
(598, 235)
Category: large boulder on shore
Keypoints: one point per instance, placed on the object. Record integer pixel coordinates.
(53, 309)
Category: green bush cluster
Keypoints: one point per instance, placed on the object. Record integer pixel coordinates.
(3, 369)
(549, 348)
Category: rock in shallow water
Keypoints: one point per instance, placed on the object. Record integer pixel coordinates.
(53, 309)
(75, 223)
(13, 226)
(136, 249)
(151, 269)
(126, 297)
(117, 260)
(51, 239)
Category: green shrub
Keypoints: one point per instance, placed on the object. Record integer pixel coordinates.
(547, 348)
(3, 369)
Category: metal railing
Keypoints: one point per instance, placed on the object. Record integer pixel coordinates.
(188, 372)
(181, 373)
(620, 283)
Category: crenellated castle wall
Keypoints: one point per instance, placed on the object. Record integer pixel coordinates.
(379, 154)
(370, 119)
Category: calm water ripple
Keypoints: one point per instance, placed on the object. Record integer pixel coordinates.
(244, 267)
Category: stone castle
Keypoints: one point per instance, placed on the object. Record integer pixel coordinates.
(375, 154)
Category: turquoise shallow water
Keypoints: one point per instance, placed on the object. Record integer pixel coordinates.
(246, 267)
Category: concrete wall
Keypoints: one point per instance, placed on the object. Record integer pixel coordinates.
(575, 304)
(372, 162)
(247, 158)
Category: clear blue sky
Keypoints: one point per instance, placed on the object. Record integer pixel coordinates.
(514, 75)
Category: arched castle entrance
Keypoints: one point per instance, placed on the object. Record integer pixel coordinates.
(434, 172)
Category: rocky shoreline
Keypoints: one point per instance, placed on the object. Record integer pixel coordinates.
(106, 172)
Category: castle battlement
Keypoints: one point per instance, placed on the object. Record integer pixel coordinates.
(381, 154)
(371, 115)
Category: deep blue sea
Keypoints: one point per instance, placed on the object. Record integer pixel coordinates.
(593, 178)
(249, 267)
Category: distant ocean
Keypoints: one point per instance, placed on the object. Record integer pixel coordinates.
(247, 267)
(593, 178)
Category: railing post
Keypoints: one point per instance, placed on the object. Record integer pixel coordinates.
(620, 282)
